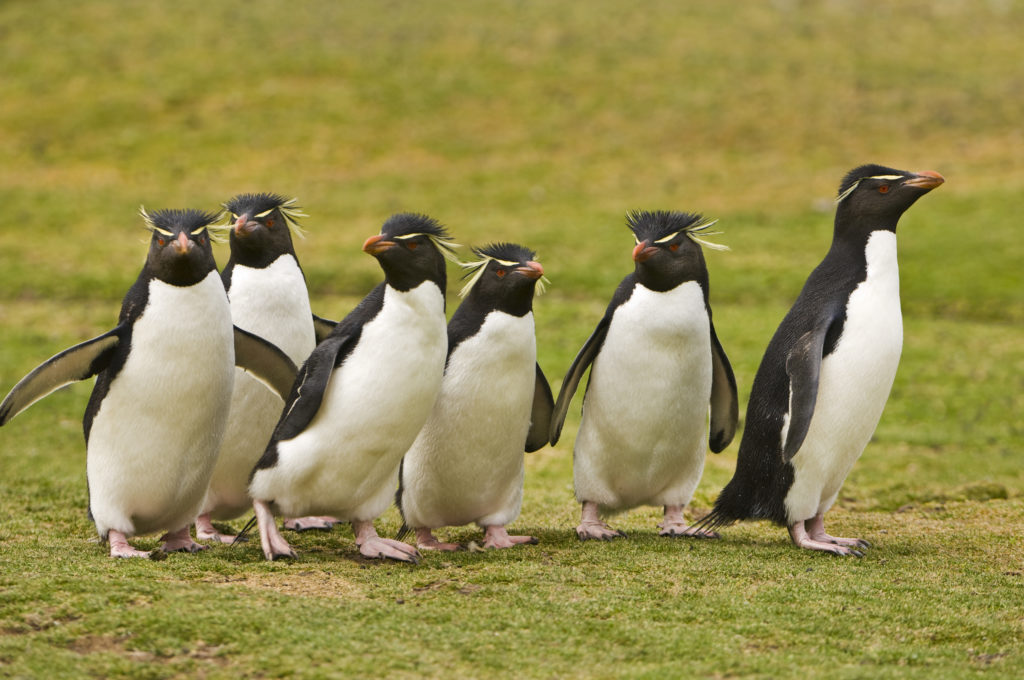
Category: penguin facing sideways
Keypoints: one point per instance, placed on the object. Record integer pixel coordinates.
(656, 366)
(361, 397)
(826, 374)
(268, 296)
(466, 464)
(156, 415)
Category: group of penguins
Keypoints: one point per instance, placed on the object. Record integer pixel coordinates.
(221, 391)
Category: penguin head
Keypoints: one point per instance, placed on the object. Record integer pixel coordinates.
(261, 228)
(504, 278)
(668, 248)
(179, 249)
(411, 249)
(874, 197)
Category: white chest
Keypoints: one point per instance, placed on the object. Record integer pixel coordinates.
(273, 303)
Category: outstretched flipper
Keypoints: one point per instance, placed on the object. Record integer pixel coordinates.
(322, 328)
(264, 361)
(579, 366)
(82, 361)
(803, 365)
(725, 407)
(540, 415)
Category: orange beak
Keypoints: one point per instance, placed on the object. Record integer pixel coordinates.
(926, 180)
(182, 244)
(531, 270)
(642, 251)
(376, 245)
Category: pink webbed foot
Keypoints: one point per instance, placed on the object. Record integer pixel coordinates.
(675, 525)
(592, 527)
(180, 541)
(816, 530)
(373, 546)
(498, 537)
(425, 540)
(273, 543)
(322, 523)
(119, 546)
(801, 539)
(205, 531)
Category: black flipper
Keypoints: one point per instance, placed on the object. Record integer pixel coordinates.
(82, 361)
(725, 407)
(803, 365)
(264, 361)
(540, 415)
(308, 391)
(572, 378)
(322, 328)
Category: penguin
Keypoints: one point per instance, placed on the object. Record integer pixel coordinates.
(657, 365)
(362, 396)
(826, 374)
(466, 464)
(155, 419)
(268, 296)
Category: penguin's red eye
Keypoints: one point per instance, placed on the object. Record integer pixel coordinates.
(269, 222)
(413, 245)
(499, 272)
(161, 241)
(202, 240)
(674, 247)
(884, 189)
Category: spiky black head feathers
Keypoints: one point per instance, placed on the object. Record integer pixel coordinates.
(406, 225)
(659, 226)
(170, 222)
(507, 252)
(871, 170)
(257, 206)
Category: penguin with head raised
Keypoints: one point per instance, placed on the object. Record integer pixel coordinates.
(656, 365)
(826, 374)
(268, 296)
(466, 464)
(156, 416)
(361, 397)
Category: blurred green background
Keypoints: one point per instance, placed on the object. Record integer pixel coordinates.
(542, 123)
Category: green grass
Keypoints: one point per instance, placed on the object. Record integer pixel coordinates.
(542, 123)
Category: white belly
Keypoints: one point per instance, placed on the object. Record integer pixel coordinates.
(854, 384)
(155, 437)
(345, 463)
(272, 303)
(467, 462)
(643, 436)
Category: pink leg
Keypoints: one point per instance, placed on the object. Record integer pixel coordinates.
(180, 541)
(497, 537)
(591, 525)
(323, 523)
(373, 546)
(801, 539)
(274, 545)
(675, 525)
(205, 531)
(425, 541)
(119, 546)
(816, 530)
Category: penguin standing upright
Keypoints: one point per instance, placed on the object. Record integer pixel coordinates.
(826, 375)
(466, 465)
(156, 416)
(361, 397)
(657, 365)
(268, 296)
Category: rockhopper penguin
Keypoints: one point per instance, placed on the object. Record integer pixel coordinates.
(268, 296)
(156, 416)
(466, 465)
(657, 364)
(827, 372)
(361, 397)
